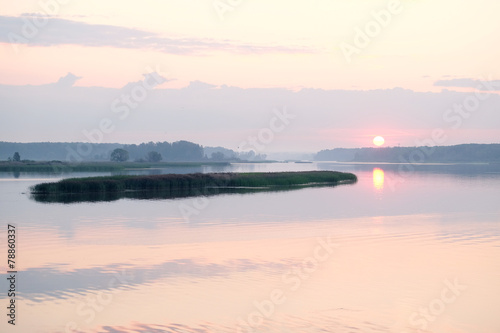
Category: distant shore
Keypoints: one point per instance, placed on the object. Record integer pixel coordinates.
(464, 153)
(58, 166)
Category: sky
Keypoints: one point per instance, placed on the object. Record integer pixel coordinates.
(280, 75)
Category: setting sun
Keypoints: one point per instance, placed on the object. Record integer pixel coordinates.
(378, 141)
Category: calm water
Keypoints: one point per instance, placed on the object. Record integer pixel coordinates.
(399, 251)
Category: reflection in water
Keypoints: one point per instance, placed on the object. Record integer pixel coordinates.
(378, 178)
(153, 194)
(61, 283)
(133, 266)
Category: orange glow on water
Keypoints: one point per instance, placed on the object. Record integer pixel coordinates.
(378, 178)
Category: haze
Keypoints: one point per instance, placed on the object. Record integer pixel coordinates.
(215, 73)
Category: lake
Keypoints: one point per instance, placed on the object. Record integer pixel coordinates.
(408, 248)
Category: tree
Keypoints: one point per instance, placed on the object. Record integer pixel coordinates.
(186, 151)
(154, 156)
(119, 155)
(16, 157)
(217, 156)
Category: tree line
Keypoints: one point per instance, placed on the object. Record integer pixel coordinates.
(440, 154)
(151, 151)
(179, 151)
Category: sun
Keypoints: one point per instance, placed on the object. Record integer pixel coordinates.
(378, 141)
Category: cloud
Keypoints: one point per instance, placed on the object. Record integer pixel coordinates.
(55, 31)
(150, 79)
(228, 115)
(68, 80)
(492, 85)
(198, 85)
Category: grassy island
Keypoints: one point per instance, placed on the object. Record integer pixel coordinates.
(181, 185)
(195, 180)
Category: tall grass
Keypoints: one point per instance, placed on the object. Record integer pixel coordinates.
(176, 182)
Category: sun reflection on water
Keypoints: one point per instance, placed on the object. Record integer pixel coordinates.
(378, 178)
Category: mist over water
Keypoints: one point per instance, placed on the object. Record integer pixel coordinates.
(395, 252)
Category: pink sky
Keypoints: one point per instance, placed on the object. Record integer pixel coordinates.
(420, 46)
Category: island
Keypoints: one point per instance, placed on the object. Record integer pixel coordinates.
(181, 185)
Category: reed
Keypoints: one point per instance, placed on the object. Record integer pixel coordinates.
(182, 182)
